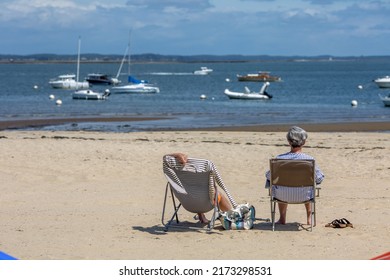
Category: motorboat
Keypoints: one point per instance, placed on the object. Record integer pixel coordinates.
(383, 82)
(258, 77)
(101, 79)
(136, 86)
(68, 81)
(248, 94)
(88, 94)
(385, 99)
(203, 71)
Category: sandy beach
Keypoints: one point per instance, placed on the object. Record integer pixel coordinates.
(94, 195)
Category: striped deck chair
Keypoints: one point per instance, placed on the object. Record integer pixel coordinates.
(194, 185)
(299, 179)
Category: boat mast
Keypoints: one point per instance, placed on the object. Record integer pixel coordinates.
(78, 62)
(127, 53)
(129, 56)
(123, 61)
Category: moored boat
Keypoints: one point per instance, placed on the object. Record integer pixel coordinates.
(385, 99)
(383, 82)
(262, 94)
(136, 86)
(88, 94)
(101, 79)
(68, 81)
(258, 77)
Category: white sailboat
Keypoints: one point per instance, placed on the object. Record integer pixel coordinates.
(83, 91)
(134, 85)
(68, 81)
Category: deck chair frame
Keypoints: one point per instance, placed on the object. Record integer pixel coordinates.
(176, 207)
(292, 173)
(192, 186)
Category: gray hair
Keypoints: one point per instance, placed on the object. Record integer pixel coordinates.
(296, 136)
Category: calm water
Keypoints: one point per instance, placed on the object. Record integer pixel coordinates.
(311, 92)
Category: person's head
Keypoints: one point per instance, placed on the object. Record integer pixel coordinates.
(296, 136)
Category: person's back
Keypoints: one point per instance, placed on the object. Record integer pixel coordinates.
(296, 138)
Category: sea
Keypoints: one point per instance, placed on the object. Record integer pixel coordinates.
(310, 92)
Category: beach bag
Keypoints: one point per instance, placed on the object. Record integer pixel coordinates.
(241, 217)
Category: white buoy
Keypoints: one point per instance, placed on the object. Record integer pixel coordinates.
(58, 102)
(227, 80)
(203, 96)
(51, 96)
(360, 87)
(35, 87)
(354, 103)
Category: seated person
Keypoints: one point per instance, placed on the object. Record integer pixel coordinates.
(296, 138)
(224, 203)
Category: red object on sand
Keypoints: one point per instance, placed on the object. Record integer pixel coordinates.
(385, 256)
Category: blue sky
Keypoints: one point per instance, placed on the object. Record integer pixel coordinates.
(191, 27)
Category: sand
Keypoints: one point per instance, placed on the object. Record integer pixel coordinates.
(93, 195)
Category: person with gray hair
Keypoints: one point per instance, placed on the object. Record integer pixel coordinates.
(296, 138)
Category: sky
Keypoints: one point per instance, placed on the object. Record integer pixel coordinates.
(196, 27)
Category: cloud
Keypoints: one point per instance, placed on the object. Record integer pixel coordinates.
(195, 26)
(188, 5)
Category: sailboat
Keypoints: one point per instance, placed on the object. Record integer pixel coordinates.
(134, 85)
(84, 92)
(68, 81)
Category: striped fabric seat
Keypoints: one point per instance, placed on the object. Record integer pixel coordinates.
(293, 181)
(194, 185)
(295, 195)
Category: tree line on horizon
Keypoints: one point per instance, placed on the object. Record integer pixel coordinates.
(92, 57)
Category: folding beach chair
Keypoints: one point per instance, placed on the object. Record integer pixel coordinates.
(296, 176)
(194, 185)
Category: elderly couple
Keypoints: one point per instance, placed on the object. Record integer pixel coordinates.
(296, 138)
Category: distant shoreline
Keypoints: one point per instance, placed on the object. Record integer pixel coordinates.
(118, 61)
(156, 58)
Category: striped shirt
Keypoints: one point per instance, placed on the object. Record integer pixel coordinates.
(170, 164)
(293, 194)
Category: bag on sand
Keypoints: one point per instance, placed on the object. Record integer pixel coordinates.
(241, 217)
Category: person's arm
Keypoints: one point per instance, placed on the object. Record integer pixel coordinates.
(319, 176)
(267, 181)
(181, 157)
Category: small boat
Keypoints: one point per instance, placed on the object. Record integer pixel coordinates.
(101, 79)
(203, 71)
(68, 81)
(88, 94)
(258, 77)
(383, 82)
(136, 86)
(262, 94)
(385, 99)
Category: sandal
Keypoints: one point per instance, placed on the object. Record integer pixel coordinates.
(346, 222)
(336, 224)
